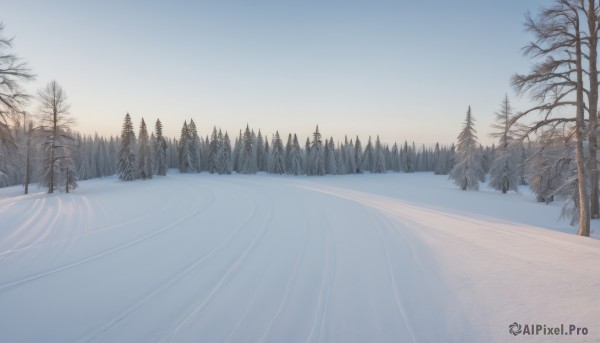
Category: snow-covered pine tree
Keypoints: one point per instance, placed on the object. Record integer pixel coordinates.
(296, 158)
(467, 172)
(504, 173)
(127, 168)
(378, 158)
(235, 154)
(351, 157)
(358, 153)
(330, 158)
(144, 156)
(185, 158)
(160, 150)
(408, 155)
(194, 148)
(395, 158)
(224, 153)
(261, 159)
(267, 155)
(277, 161)
(247, 159)
(316, 157)
(288, 154)
(368, 156)
(213, 151)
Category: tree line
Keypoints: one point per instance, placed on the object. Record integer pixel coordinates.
(555, 152)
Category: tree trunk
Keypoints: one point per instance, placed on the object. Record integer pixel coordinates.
(592, 164)
(584, 217)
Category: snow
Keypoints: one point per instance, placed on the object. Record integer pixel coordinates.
(247, 258)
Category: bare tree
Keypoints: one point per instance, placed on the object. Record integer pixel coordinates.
(56, 124)
(12, 97)
(556, 82)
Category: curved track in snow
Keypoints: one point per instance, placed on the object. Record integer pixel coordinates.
(189, 258)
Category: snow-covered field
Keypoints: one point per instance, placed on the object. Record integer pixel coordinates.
(358, 258)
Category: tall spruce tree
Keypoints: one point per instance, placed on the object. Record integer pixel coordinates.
(127, 168)
(467, 172)
(144, 156)
(277, 161)
(315, 164)
(160, 150)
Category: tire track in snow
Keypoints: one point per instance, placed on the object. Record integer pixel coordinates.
(36, 207)
(105, 229)
(288, 287)
(6, 286)
(319, 319)
(224, 278)
(98, 332)
(376, 223)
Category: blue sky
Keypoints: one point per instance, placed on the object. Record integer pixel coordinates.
(400, 69)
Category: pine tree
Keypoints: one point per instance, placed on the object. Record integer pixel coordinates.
(144, 156)
(247, 158)
(316, 157)
(194, 148)
(358, 156)
(379, 161)
(368, 157)
(127, 167)
(277, 161)
(185, 158)
(213, 151)
(331, 166)
(467, 171)
(288, 154)
(296, 157)
(160, 150)
(224, 154)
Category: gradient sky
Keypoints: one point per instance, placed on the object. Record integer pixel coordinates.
(400, 69)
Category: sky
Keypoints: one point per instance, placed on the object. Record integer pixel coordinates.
(403, 70)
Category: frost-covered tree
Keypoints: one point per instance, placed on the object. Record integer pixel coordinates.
(247, 158)
(261, 157)
(144, 156)
(288, 154)
(331, 166)
(358, 153)
(368, 156)
(467, 172)
(194, 148)
(224, 154)
(184, 153)
(160, 150)
(127, 168)
(277, 161)
(296, 157)
(504, 171)
(56, 125)
(408, 158)
(315, 164)
(213, 150)
(379, 160)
